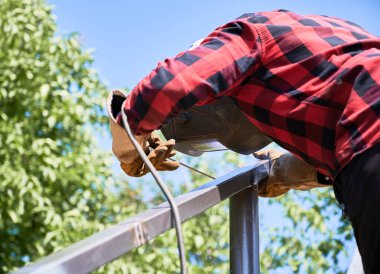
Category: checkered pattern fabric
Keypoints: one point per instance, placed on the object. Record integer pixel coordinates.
(311, 83)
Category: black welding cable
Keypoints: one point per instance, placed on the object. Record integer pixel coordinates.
(164, 189)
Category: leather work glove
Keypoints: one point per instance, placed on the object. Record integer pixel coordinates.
(285, 172)
(158, 151)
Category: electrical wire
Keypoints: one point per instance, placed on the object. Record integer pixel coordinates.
(164, 189)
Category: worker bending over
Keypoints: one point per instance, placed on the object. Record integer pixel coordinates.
(310, 83)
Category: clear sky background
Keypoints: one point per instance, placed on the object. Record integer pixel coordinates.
(130, 37)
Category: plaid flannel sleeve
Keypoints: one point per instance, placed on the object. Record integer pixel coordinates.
(194, 77)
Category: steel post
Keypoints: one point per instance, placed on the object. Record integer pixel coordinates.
(244, 232)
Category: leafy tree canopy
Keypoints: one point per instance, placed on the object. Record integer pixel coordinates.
(52, 175)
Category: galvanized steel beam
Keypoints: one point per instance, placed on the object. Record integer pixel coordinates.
(105, 246)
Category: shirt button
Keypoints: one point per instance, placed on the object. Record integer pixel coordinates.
(327, 178)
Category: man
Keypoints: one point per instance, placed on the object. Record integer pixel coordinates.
(311, 83)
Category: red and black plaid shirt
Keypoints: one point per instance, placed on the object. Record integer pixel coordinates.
(311, 83)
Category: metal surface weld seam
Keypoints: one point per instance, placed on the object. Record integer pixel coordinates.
(139, 233)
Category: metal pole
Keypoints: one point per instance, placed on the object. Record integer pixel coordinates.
(244, 232)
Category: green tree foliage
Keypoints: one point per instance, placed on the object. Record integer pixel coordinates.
(316, 238)
(56, 185)
(52, 175)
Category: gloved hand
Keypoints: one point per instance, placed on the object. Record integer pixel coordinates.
(157, 150)
(285, 172)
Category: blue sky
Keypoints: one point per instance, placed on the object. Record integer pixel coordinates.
(130, 37)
